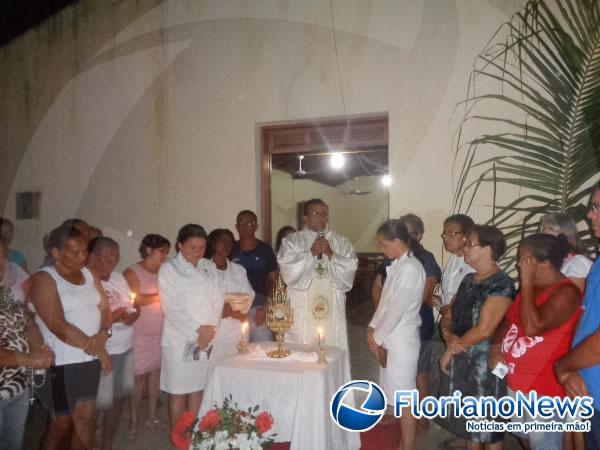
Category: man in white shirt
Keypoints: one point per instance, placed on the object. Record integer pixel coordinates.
(318, 267)
(455, 236)
(118, 385)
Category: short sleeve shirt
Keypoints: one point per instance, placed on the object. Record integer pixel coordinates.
(258, 263)
(589, 324)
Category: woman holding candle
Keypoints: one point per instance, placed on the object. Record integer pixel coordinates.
(395, 325)
(142, 278)
(238, 293)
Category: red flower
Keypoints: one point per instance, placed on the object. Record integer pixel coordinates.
(264, 422)
(181, 435)
(211, 420)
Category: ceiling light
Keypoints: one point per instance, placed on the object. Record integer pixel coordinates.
(337, 161)
(386, 180)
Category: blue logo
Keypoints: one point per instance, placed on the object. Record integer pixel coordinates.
(347, 416)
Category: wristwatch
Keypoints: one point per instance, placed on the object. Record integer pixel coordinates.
(108, 332)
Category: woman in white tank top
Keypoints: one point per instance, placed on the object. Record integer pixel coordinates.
(74, 318)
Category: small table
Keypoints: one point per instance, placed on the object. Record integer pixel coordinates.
(296, 393)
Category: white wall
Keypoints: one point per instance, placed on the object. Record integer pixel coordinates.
(354, 216)
(157, 128)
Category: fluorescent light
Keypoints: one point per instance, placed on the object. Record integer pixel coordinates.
(337, 161)
(386, 180)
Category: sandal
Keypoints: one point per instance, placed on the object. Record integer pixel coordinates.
(445, 445)
(153, 423)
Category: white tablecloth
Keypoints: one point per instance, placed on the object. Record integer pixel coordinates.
(297, 394)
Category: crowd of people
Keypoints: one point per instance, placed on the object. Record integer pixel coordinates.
(87, 340)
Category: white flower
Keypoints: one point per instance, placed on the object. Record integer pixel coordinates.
(247, 420)
(221, 436)
(206, 444)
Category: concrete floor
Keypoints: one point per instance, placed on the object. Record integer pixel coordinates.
(364, 366)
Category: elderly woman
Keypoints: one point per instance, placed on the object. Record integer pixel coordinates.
(576, 265)
(142, 278)
(237, 288)
(21, 351)
(468, 327)
(540, 325)
(394, 329)
(74, 318)
(192, 299)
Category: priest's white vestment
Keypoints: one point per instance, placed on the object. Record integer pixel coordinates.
(317, 287)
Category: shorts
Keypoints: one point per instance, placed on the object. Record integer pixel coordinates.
(68, 385)
(117, 384)
(538, 440)
(424, 356)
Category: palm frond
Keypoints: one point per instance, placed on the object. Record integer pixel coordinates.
(534, 101)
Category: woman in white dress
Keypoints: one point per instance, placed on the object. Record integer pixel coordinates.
(576, 265)
(192, 302)
(234, 279)
(395, 324)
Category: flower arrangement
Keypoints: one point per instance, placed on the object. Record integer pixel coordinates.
(224, 428)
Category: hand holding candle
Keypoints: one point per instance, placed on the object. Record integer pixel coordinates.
(132, 304)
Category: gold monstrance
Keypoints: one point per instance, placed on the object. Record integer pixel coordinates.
(280, 318)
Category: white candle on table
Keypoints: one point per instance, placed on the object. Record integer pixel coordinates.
(320, 332)
(245, 332)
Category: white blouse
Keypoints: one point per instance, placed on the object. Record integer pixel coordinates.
(576, 266)
(454, 272)
(81, 307)
(235, 279)
(190, 296)
(398, 311)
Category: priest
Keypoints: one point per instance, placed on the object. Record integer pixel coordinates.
(318, 267)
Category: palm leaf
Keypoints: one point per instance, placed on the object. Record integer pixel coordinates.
(534, 101)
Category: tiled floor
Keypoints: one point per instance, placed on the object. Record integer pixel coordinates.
(364, 366)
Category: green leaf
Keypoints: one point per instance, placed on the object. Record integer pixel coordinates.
(540, 73)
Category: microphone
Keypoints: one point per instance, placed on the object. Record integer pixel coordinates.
(321, 235)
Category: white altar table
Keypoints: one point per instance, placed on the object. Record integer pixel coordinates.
(296, 393)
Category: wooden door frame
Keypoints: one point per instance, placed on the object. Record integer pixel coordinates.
(266, 144)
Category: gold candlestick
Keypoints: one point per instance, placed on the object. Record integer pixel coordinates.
(280, 318)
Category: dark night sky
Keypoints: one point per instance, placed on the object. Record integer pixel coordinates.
(17, 16)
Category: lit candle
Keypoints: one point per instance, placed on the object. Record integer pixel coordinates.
(244, 332)
(320, 331)
(132, 298)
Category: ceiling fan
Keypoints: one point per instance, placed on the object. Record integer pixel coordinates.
(299, 172)
(355, 191)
